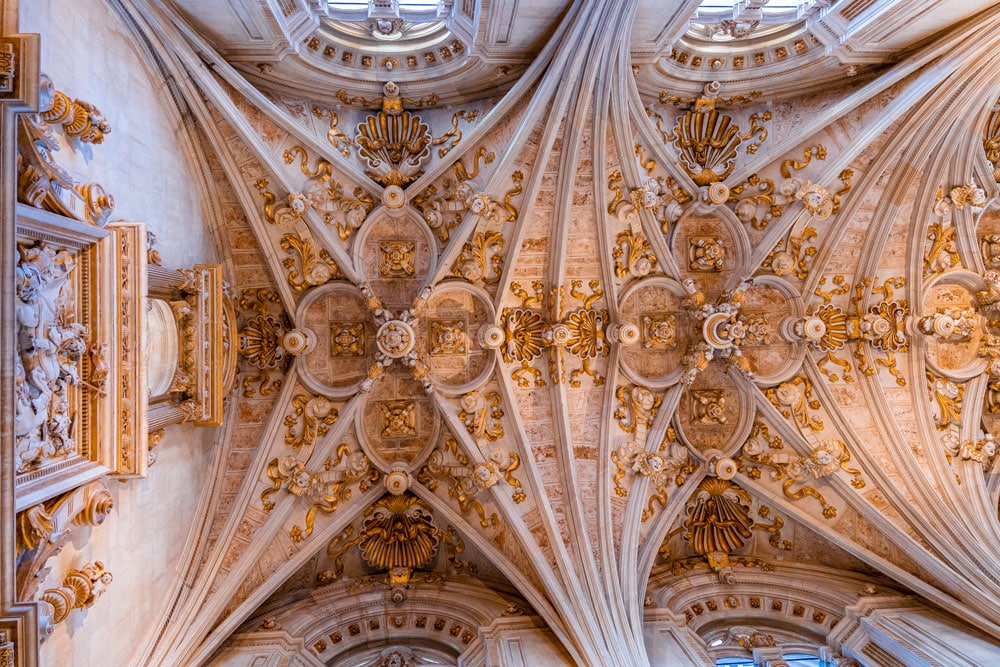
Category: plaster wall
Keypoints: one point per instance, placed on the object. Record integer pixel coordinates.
(87, 52)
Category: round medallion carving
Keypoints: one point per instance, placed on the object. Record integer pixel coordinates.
(395, 339)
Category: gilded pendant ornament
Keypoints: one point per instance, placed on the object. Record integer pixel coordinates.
(718, 520)
(398, 536)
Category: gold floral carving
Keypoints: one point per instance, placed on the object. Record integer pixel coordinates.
(454, 135)
(310, 420)
(659, 331)
(347, 339)
(466, 480)
(660, 196)
(448, 337)
(706, 254)
(762, 449)
(319, 193)
(308, 267)
(481, 415)
(637, 408)
(794, 400)
(940, 248)
(773, 529)
(443, 212)
(718, 520)
(947, 396)
(334, 135)
(708, 407)
(398, 536)
(397, 419)
(991, 140)
(396, 259)
(758, 201)
(481, 258)
(633, 255)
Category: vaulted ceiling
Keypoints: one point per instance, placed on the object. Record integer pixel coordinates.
(525, 325)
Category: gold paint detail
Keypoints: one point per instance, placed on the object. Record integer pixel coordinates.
(881, 325)
(773, 529)
(311, 420)
(481, 259)
(633, 255)
(940, 246)
(762, 449)
(947, 398)
(307, 266)
(669, 464)
(991, 140)
(706, 254)
(659, 331)
(708, 407)
(718, 520)
(398, 536)
(467, 480)
(347, 339)
(794, 400)
(397, 419)
(394, 147)
(334, 135)
(454, 135)
(481, 415)
(448, 337)
(80, 589)
(396, 259)
(260, 340)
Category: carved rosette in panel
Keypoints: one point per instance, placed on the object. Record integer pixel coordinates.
(344, 331)
(655, 306)
(399, 423)
(707, 250)
(714, 412)
(396, 254)
(452, 319)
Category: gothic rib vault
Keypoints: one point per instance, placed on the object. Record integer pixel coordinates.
(669, 365)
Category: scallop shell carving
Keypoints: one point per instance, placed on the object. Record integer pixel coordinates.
(707, 142)
(718, 517)
(394, 146)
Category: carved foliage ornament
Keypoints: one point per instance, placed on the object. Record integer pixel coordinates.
(326, 487)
